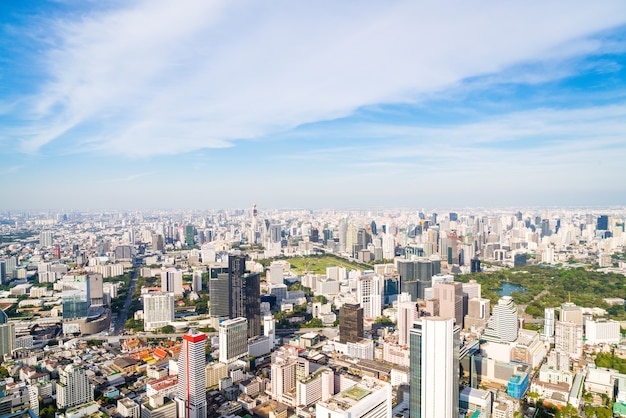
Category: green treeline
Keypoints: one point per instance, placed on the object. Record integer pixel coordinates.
(586, 288)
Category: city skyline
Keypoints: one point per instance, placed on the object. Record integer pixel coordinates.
(144, 105)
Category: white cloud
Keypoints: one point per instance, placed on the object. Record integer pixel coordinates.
(570, 149)
(162, 77)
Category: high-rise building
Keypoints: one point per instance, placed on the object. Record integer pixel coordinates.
(57, 252)
(475, 265)
(233, 338)
(368, 295)
(45, 238)
(158, 242)
(450, 297)
(568, 338)
(7, 335)
(477, 313)
(283, 374)
(172, 281)
(472, 289)
(124, 252)
(158, 310)
(276, 272)
(603, 223)
(570, 312)
(96, 290)
(602, 331)
(269, 326)
(189, 235)
(549, 322)
(76, 296)
(434, 370)
(407, 314)
(319, 386)
(237, 294)
(196, 281)
(191, 393)
(3, 272)
(251, 296)
(415, 276)
(73, 387)
(350, 323)
(503, 324)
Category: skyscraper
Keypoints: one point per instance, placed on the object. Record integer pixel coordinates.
(172, 281)
(568, 338)
(450, 297)
(283, 374)
(158, 310)
(475, 265)
(503, 324)
(477, 313)
(76, 296)
(434, 370)
(237, 294)
(7, 335)
(73, 387)
(603, 223)
(45, 238)
(549, 322)
(191, 393)
(407, 314)
(415, 276)
(189, 235)
(233, 337)
(196, 281)
(350, 323)
(368, 295)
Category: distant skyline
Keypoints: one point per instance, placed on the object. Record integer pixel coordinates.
(218, 104)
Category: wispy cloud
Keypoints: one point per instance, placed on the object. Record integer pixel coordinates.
(157, 78)
(10, 169)
(569, 147)
(128, 178)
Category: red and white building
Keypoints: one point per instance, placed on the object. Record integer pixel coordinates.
(191, 396)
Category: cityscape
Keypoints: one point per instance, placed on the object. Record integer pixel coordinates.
(314, 313)
(223, 209)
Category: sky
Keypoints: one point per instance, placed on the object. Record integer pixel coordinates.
(214, 104)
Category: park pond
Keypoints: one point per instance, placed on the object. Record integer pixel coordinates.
(508, 288)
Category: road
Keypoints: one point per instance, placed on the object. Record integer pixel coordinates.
(123, 315)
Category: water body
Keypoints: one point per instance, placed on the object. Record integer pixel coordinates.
(508, 288)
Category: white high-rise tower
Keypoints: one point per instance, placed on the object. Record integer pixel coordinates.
(434, 373)
(158, 310)
(368, 295)
(503, 324)
(191, 393)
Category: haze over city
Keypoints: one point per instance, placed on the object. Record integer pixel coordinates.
(158, 104)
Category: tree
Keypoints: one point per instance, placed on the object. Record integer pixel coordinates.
(168, 329)
(568, 411)
(320, 299)
(47, 412)
(314, 323)
(384, 320)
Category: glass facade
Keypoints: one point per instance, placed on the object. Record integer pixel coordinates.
(415, 373)
(518, 385)
(76, 297)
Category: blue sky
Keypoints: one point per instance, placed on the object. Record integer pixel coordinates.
(217, 104)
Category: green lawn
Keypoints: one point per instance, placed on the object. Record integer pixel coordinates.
(318, 264)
